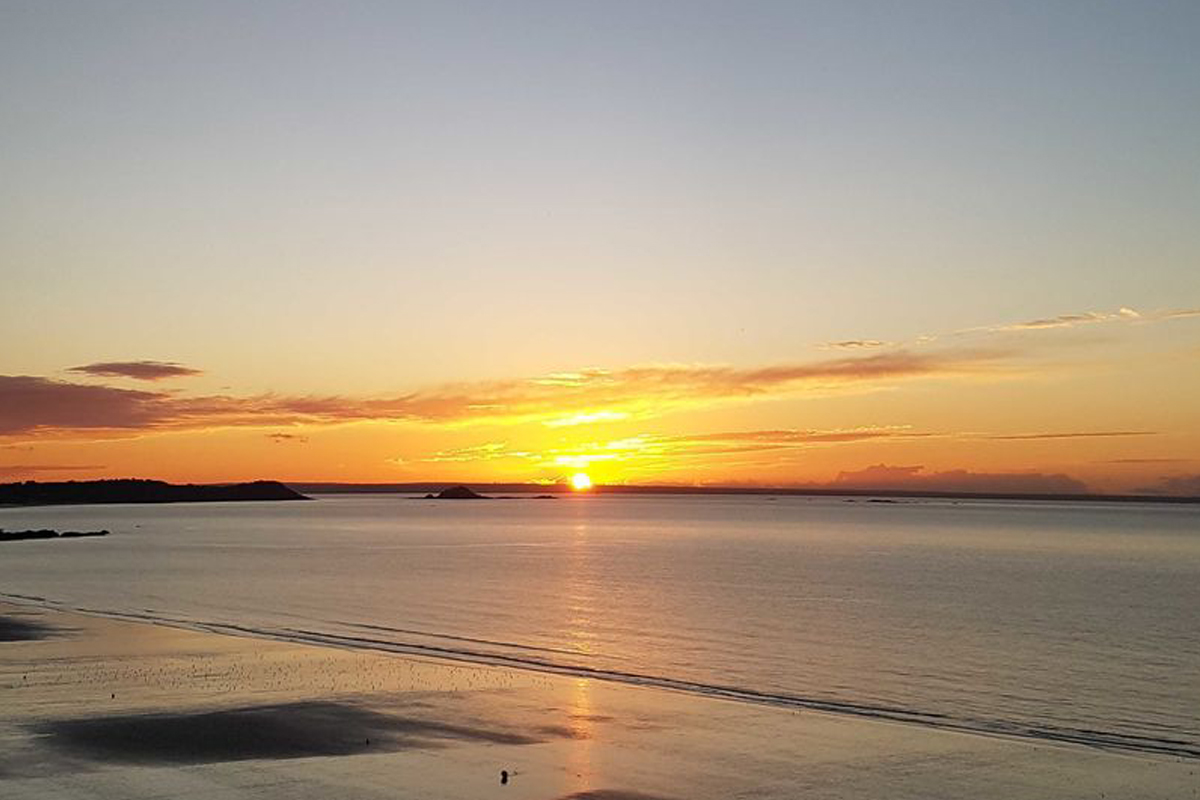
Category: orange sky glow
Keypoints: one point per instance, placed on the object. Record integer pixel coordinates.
(787, 244)
(1009, 407)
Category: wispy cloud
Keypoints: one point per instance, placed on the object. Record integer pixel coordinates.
(32, 403)
(1123, 314)
(282, 438)
(1068, 435)
(479, 452)
(804, 438)
(646, 454)
(25, 469)
(652, 450)
(649, 446)
(586, 418)
(138, 370)
(1070, 320)
(857, 344)
(746, 441)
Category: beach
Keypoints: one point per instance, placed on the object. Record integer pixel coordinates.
(106, 708)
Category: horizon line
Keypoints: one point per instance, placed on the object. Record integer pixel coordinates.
(399, 487)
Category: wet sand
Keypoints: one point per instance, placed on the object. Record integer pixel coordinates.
(95, 707)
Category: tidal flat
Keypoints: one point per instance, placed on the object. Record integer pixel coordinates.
(105, 708)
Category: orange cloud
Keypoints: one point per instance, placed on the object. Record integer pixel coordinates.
(36, 404)
(280, 438)
(26, 469)
(649, 451)
(1071, 435)
(856, 344)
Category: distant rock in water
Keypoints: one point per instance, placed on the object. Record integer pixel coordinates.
(128, 490)
(456, 493)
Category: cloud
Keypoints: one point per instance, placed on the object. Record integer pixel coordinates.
(281, 438)
(856, 344)
(646, 448)
(1072, 320)
(22, 469)
(1174, 486)
(658, 447)
(869, 433)
(138, 370)
(606, 394)
(1145, 460)
(586, 418)
(643, 452)
(479, 452)
(749, 441)
(913, 478)
(1071, 435)
(30, 403)
(1123, 314)
(663, 450)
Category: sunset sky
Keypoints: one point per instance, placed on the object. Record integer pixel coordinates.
(924, 244)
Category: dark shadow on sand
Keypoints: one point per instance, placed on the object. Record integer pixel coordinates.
(13, 629)
(292, 730)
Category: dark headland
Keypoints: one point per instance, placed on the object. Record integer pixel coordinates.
(131, 490)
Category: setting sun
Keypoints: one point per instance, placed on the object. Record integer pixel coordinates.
(580, 482)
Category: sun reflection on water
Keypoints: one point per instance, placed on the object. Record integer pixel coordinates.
(580, 627)
(581, 724)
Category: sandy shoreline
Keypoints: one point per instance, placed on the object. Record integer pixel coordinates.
(96, 707)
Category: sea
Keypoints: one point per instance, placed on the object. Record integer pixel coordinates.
(1060, 621)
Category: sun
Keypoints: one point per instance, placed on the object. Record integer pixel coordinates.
(580, 482)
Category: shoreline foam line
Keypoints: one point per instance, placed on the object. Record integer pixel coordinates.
(1101, 740)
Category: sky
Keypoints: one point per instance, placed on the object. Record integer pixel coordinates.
(900, 245)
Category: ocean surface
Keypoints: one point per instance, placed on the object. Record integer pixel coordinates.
(1058, 621)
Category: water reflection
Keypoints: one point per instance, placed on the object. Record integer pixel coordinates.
(580, 595)
(581, 586)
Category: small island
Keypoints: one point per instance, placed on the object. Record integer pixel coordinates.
(466, 493)
(129, 490)
(456, 493)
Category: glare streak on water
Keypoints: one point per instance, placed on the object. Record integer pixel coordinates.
(1071, 621)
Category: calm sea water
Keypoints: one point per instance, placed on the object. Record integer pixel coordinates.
(1063, 621)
